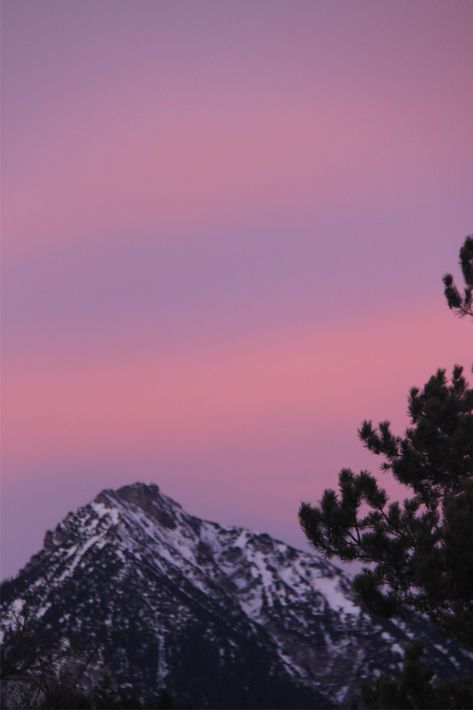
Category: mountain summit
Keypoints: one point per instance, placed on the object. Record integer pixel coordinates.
(217, 615)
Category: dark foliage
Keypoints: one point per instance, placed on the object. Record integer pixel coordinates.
(106, 697)
(415, 689)
(461, 303)
(19, 649)
(30, 679)
(418, 553)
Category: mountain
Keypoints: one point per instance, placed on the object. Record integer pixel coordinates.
(219, 616)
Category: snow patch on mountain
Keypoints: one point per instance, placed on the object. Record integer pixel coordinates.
(135, 567)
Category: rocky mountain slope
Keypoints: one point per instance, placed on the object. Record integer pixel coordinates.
(219, 616)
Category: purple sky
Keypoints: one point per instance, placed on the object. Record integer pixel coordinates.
(223, 235)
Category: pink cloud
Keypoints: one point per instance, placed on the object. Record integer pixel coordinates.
(155, 169)
(250, 391)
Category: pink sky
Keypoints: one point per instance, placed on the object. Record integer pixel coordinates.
(224, 228)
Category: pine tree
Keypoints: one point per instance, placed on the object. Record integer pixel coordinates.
(418, 554)
(462, 304)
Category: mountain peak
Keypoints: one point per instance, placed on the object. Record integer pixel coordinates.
(186, 598)
(131, 493)
(151, 490)
(145, 497)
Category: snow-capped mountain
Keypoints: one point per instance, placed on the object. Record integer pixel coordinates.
(219, 616)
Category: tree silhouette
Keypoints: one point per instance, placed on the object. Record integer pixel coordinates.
(32, 679)
(462, 303)
(417, 554)
(65, 677)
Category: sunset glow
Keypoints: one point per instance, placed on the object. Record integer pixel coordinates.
(223, 235)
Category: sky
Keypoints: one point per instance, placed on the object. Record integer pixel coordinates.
(224, 228)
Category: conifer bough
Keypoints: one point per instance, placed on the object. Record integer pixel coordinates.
(418, 554)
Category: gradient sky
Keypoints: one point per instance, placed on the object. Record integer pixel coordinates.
(224, 227)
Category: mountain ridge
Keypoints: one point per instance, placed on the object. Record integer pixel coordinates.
(194, 606)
